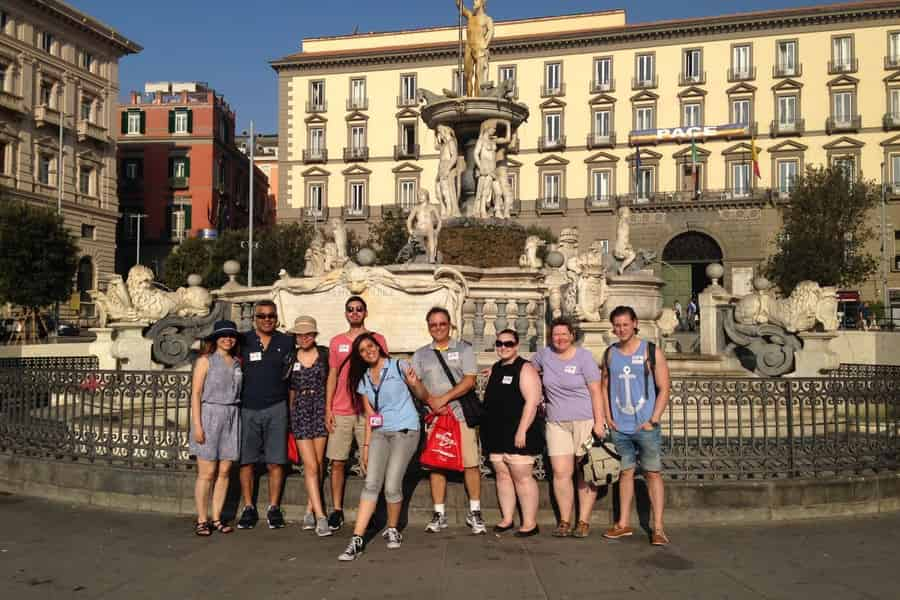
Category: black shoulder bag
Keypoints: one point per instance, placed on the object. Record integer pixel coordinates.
(471, 405)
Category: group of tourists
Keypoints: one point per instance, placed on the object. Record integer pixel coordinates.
(254, 392)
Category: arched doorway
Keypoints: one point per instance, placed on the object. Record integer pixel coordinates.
(84, 283)
(685, 258)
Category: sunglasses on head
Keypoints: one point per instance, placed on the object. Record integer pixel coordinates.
(264, 316)
(505, 344)
(355, 309)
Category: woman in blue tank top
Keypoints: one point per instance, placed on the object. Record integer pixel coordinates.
(636, 386)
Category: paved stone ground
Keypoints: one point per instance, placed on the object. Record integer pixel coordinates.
(50, 550)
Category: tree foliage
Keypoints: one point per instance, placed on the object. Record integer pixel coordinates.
(38, 256)
(278, 247)
(387, 237)
(825, 232)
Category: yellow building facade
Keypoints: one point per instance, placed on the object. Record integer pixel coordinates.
(807, 86)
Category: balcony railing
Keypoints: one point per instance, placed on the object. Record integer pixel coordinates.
(691, 79)
(644, 84)
(836, 67)
(747, 74)
(88, 130)
(599, 202)
(547, 144)
(749, 132)
(787, 70)
(44, 115)
(316, 107)
(315, 155)
(314, 214)
(406, 151)
(548, 91)
(351, 213)
(833, 124)
(600, 87)
(688, 198)
(599, 140)
(892, 62)
(178, 183)
(404, 101)
(795, 127)
(547, 206)
(891, 120)
(357, 103)
(356, 153)
(12, 102)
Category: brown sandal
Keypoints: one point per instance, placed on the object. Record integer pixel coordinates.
(203, 529)
(564, 529)
(222, 527)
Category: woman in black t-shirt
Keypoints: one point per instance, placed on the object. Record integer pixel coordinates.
(512, 433)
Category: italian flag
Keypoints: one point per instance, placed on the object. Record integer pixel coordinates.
(754, 156)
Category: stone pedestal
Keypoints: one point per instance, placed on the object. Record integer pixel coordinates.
(102, 348)
(641, 291)
(709, 300)
(130, 347)
(816, 355)
(597, 336)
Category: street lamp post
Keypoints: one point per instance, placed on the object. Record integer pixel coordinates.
(885, 258)
(138, 217)
(250, 229)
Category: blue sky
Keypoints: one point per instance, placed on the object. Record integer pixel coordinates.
(228, 43)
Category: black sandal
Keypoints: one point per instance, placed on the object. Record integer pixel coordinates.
(222, 527)
(203, 529)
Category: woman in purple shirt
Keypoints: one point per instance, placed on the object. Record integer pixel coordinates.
(574, 410)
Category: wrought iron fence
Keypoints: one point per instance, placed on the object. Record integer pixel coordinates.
(714, 429)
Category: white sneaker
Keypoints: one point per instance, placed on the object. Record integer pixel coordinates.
(474, 520)
(322, 528)
(309, 522)
(438, 522)
(353, 550)
(393, 538)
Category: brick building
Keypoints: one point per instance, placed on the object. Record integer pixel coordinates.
(179, 165)
(265, 156)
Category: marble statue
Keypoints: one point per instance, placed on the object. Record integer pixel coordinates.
(808, 304)
(503, 193)
(339, 233)
(623, 250)
(486, 168)
(588, 290)
(529, 259)
(447, 183)
(479, 33)
(316, 260)
(424, 223)
(667, 322)
(138, 299)
(567, 244)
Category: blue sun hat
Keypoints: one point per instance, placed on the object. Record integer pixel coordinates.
(223, 328)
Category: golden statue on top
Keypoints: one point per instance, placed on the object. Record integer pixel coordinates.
(479, 33)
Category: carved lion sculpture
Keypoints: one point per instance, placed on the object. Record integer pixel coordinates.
(138, 299)
(808, 303)
(529, 259)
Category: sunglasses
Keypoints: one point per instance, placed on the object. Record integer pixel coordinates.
(266, 316)
(436, 325)
(355, 309)
(505, 344)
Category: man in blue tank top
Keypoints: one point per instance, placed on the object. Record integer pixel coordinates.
(636, 387)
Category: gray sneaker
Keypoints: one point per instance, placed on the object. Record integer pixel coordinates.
(438, 522)
(322, 528)
(393, 538)
(309, 522)
(474, 520)
(354, 549)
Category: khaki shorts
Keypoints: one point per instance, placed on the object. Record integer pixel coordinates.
(513, 459)
(346, 427)
(567, 438)
(470, 450)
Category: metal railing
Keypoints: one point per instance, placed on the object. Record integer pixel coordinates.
(316, 107)
(836, 67)
(747, 74)
(715, 428)
(551, 205)
(315, 155)
(848, 123)
(892, 61)
(406, 151)
(891, 120)
(692, 78)
(548, 91)
(600, 140)
(787, 70)
(546, 144)
(600, 87)
(795, 127)
(353, 153)
(645, 83)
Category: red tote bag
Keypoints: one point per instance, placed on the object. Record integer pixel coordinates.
(443, 450)
(293, 453)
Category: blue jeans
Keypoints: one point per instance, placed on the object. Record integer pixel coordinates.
(641, 445)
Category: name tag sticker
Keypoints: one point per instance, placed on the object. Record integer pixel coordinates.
(453, 356)
(571, 369)
(255, 356)
(637, 360)
(344, 348)
(507, 379)
(296, 366)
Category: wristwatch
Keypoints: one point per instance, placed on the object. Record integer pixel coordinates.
(654, 423)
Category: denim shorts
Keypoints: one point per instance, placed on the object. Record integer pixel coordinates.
(641, 446)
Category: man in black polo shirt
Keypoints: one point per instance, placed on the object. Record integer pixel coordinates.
(266, 356)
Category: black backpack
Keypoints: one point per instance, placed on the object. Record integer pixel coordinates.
(651, 360)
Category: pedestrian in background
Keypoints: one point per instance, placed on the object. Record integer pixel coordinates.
(215, 423)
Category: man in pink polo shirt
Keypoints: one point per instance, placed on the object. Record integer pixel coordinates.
(341, 420)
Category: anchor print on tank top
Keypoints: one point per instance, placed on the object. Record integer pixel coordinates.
(629, 407)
